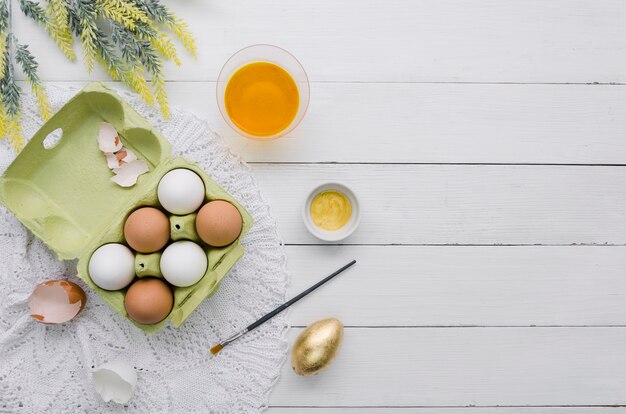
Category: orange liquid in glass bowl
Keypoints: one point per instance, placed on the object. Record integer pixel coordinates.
(262, 99)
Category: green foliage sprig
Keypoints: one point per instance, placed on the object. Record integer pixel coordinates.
(130, 39)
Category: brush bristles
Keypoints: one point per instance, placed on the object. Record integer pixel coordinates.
(217, 348)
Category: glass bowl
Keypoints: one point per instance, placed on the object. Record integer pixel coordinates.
(271, 54)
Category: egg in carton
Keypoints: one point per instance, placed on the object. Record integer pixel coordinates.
(74, 198)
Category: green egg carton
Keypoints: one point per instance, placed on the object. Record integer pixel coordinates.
(65, 196)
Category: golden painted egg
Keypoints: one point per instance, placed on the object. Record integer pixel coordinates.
(316, 347)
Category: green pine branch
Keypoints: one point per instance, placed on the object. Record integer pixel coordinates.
(10, 89)
(27, 62)
(29, 67)
(4, 16)
(33, 10)
(126, 37)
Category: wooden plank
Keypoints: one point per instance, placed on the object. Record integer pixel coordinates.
(460, 204)
(460, 285)
(466, 366)
(437, 123)
(447, 410)
(396, 40)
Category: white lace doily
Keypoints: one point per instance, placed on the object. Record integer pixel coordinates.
(47, 368)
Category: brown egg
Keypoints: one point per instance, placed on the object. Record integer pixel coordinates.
(147, 230)
(218, 223)
(149, 300)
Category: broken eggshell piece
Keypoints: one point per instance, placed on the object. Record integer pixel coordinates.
(116, 160)
(115, 381)
(108, 139)
(127, 174)
(56, 301)
(121, 160)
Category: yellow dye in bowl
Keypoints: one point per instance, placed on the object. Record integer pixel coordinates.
(331, 210)
(261, 99)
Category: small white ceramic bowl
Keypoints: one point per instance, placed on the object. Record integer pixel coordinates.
(343, 232)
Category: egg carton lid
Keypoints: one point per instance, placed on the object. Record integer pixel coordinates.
(64, 193)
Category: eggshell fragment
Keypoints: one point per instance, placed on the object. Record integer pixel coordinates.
(115, 381)
(108, 139)
(126, 155)
(56, 301)
(121, 160)
(116, 160)
(112, 161)
(127, 174)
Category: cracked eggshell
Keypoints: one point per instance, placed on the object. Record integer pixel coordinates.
(128, 173)
(128, 155)
(113, 161)
(115, 381)
(108, 139)
(56, 301)
(118, 159)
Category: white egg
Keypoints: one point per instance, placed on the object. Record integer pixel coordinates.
(112, 266)
(181, 191)
(183, 263)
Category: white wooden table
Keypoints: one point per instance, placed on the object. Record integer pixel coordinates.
(486, 140)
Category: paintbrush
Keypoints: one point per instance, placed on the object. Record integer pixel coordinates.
(217, 348)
